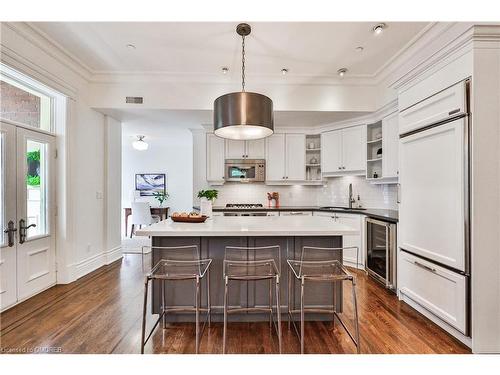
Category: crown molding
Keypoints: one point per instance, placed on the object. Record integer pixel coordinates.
(461, 40)
(34, 35)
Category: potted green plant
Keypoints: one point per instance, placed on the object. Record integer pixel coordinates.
(161, 196)
(207, 198)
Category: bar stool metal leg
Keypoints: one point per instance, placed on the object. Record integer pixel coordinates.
(334, 302)
(289, 298)
(302, 318)
(270, 303)
(224, 335)
(278, 304)
(144, 309)
(356, 322)
(163, 305)
(209, 306)
(197, 308)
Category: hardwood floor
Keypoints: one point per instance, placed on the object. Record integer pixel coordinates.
(101, 313)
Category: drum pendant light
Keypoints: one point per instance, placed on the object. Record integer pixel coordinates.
(243, 115)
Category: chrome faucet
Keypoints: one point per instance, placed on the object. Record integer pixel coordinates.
(351, 198)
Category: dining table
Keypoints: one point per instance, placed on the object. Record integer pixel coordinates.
(162, 212)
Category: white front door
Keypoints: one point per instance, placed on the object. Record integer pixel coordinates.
(8, 254)
(28, 261)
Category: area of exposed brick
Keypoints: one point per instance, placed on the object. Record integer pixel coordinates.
(19, 105)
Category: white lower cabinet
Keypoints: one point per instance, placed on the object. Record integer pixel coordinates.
(437, 289)
(351, 256)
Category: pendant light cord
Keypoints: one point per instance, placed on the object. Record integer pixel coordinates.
(243, 64)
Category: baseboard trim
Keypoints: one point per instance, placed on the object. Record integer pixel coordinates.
(452, 331)
(94, 262)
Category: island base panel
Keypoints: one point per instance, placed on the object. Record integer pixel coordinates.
(248, 293)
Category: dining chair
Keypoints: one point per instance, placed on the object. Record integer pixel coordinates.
(141, 215)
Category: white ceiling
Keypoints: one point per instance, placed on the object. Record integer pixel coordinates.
(305, 48)
(162, 119)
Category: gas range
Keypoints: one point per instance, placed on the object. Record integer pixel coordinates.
(244, 205)
(247, 209)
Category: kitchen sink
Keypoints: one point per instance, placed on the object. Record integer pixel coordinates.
(341, 208)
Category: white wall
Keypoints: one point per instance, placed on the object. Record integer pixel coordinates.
(88, 164)
(113, 178)
(170, 152)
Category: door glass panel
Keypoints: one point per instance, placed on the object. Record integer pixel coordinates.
(36, 187)
(377, 249)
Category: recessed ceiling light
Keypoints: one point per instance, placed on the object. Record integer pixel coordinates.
(341, 72)
(359, 49)
(284, 71)
(225, 69)
(377, 29)
(131, 46)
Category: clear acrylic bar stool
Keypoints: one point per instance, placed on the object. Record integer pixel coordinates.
(319, 264)
(253, 264)
(180, 263)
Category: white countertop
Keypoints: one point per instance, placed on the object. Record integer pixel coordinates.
(250, 226)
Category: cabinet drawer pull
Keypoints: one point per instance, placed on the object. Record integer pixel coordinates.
(424, 266)
(454, 111)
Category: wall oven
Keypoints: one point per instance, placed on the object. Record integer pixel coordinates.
(381, 252)
(245, 170)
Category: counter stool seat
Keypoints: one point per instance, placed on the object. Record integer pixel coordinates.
(252, 264)
(319, 264)
(180, 263)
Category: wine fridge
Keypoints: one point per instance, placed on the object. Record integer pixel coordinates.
(381, 252)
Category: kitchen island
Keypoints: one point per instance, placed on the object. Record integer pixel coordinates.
(289, 232)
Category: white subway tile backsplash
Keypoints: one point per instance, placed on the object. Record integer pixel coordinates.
(371, 196)
(334, 193)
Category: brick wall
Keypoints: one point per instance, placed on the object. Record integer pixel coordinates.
(19, 105)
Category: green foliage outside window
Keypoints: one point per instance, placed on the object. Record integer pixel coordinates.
(33, 180)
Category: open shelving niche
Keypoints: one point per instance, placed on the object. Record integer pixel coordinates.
(313, 167)
(374, 151)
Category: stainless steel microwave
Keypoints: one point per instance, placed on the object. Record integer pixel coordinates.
(245, 170)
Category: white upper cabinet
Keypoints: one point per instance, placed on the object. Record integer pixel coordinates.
(353, 146)
(390, 145)
(275, 157)
(245, 149)
(295, 157)
(235, 149)
(344, 151)
(331, 151)
(215, 159)
(285, 157)
(256, 149)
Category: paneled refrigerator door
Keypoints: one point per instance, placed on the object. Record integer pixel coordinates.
(433, 177)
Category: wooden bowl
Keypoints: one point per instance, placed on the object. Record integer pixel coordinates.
(184, 219)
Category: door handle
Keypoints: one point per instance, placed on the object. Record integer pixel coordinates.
(424, 266)
(10, 232)
(23, 230)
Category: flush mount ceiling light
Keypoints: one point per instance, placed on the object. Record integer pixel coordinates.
(243, 115)
(377, 29)
(284, 71)
(359, 49)
(341, 72)
(225, 69)
(130, 46)
(140, 145)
